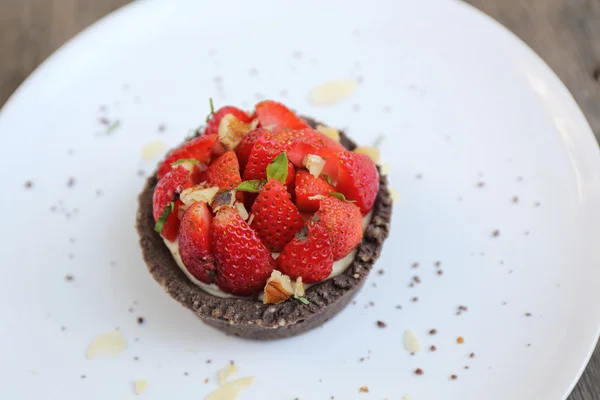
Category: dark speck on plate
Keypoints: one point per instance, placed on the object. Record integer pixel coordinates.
(71, 182)
(381, 324)
(381, 272)
(69, 277)
(480, 184)
(515, 199)
(419, 176)
(415, 265)
(140, 320)
(28, 184)
(496, 233)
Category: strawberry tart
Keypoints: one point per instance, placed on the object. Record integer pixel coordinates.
(264, 224)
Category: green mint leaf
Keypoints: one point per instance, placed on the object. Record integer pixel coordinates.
(212, 110)
(278, 168)
(302, 299)
(252, 186)
(327, 178)
(113, 127)
(160, 223)
(341, 197)
(185, 160)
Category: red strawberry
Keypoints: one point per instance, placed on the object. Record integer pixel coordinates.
(276, 218)
(224, 172)
(245, 147)
(274, 115)
(290, 181)
(212, 127)
(199, 148)
(243, 263)
(308, 186)
(344, 222)
(308, 255)
(194, 242)
(170, 229)
(175, 181)
(356, 176)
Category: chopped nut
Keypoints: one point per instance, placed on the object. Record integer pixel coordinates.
(372, 152)
(363, 389)
(418, 371)
(314, 164)
(298, 287)
(331, 133)
(316, 197)
(242, 211)
(278, 288)
(250, 219)
(232, 130)
(198, 193)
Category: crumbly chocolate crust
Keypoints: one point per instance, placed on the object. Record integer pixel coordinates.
(250, 318)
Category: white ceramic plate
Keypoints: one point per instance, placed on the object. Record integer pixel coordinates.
(460, 101)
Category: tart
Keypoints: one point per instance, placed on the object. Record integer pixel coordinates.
(264, 225)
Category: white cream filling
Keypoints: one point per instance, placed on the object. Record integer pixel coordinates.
(339, 266)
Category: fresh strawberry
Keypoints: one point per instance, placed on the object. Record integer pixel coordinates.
(344, 222)
(194, 242)
(297, 144)
(200, 148)
(212, 126)
(276, 218)
(356, 176)
(170, 229)
(308, 186)
(174, 182)
(290, 181)
(243, 263)
(245, 147)
(224, 172)
(308, 255)
(274, 115)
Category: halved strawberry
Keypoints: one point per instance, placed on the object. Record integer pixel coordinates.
(274, 115)
(356, 177)
(194, 242)
(308, 186)
(212, 126)
(308, 255)
(243, 262)
(174, 182)
(276, 218)
(200, 148)
(170, 228)
(224, 172)
(344, 223)
(290, 181)
(245, 147)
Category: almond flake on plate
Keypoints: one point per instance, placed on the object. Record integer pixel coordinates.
(411, 342)
(231, 390)
(371, 152)
(332, 92)
(110, 344)
(153, 149)
(226, 373)
(331, 133)
(140, 386)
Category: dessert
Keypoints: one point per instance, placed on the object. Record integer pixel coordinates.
(264, 225)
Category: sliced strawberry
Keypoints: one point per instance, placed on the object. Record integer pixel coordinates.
(356, 176)
(200, 148)
(245, 147)
(170, 229)
(212, 127)
(243, 263)
(264, 151)
(308, 186)
(174, 182)
(290, 181)
(276, 218)
(274, 115)
(308, 255)
(344, 222)
(224, 172)
(194, 242)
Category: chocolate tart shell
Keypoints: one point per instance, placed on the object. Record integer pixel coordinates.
(250, 318)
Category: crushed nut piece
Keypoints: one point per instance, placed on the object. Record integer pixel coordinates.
(242, 211)
(232, 130)
(278, 288)
(363, 389)
(314, 164)
(298, 287)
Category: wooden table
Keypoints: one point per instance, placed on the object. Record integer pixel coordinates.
(565, 33)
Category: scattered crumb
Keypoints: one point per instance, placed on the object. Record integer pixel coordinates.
(466, 367)
(526, 233)
(480, 184)
(162, 128)
(414, 299)
(438, 263)
(418, 371)
(381, 324)
(71, 182)
(140, 386)
(141, 173)
(496, 233)
(433, 348)
(208, 361)
(515, 199)
(28, 184)
(537, 204)
(460, 340)
(381, 272)
(140, 320)
(399, 307)
(519, 178)
(69, 277)
(415, 265)
(416, 279)
(104, 121)
(186, 373)
(206, 380)
(453, 377)
(472, 355)
(433, 331)
(528, 344)
(363, 389)
(528, 314)
(63, 328)
(82, 376)
(136, 358)
(439, 272)
(419, 176)
(109, 344)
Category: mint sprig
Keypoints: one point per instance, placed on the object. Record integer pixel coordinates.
(302, 299)
(212, 110)
(341, 197)
(160, 222)
(252, 186)
(278, 168)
